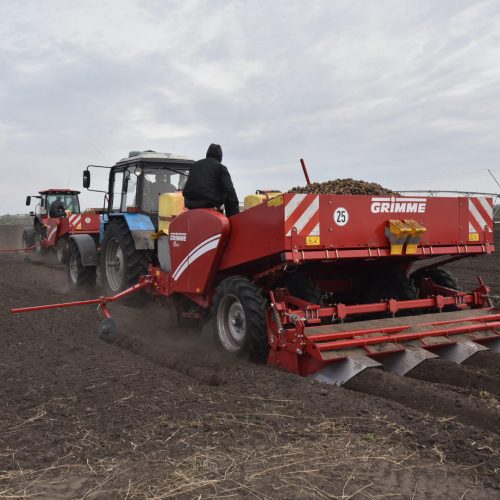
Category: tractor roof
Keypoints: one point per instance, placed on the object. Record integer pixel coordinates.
(59, 191)
(153, 156)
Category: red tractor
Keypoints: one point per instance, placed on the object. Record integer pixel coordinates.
(54, 232)
(324, 284)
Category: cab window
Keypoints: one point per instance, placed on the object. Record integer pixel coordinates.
(130, 189)
(117, 191)
(69, 201)
(157, 181)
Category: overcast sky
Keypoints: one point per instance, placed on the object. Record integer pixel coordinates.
(405, 93)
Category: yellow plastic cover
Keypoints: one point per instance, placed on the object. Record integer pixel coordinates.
(171, 205)
(256, 199)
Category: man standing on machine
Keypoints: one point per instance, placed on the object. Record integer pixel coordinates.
(209, 184)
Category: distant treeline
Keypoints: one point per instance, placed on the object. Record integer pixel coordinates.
(15, 220)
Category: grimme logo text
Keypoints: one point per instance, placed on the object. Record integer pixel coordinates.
(178, 236)
(395, 205)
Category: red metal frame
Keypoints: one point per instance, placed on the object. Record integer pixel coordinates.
(298, 341)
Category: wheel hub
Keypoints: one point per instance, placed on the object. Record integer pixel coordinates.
(231, 323)
(114, 265)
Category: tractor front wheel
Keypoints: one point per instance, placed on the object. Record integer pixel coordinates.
(239, 311)
(78, 274)
(121, 263)
(40, 250)
(62, 250)
(28, 240)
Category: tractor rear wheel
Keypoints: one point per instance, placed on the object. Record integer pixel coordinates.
(78, 274)
(239, 311)
(438, 275)
(121, 263)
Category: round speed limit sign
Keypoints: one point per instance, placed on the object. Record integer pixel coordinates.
(341, 216)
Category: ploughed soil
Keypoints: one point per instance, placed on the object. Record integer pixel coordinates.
(160, 415)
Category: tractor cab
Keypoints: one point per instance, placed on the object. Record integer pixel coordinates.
(136, 182)
(68, 197)
(51, 232)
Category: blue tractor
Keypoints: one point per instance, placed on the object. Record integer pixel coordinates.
(125, 246)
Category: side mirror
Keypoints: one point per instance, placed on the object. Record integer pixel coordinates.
(86, 179)
(28, 201)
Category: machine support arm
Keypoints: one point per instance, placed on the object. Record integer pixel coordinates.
(27, 249)
(144, 282)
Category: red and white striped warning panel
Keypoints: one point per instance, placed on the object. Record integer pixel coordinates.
(302, 213)
(51, 233)
(480, 216)
(74, 220)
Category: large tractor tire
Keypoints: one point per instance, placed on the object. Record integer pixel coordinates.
(79, 276)
(438, 275)
(239, 315)
(40, 250)
(121, 263)
(302, 286)
(391, 284)
(28, 237)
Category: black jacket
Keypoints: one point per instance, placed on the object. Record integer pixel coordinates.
(57, 209)
(209, 184)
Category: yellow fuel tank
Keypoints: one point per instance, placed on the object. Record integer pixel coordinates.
(171, 205)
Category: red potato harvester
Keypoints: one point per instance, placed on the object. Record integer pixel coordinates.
(325, 284)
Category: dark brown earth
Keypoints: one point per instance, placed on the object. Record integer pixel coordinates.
(159, 415)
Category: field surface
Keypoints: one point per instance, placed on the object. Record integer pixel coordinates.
(160, 416)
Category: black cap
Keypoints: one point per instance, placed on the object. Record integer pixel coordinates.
(214, 151)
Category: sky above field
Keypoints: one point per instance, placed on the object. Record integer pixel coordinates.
(404, 93)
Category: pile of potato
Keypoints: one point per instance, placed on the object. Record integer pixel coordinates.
(343, 186)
